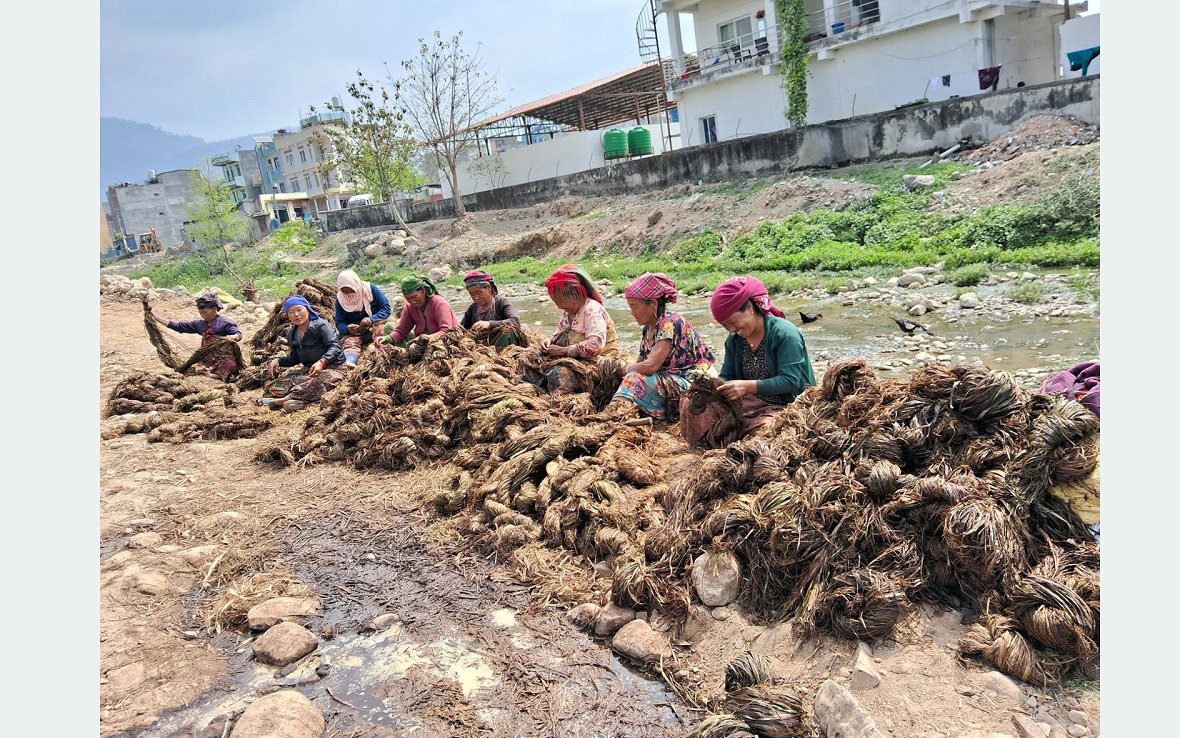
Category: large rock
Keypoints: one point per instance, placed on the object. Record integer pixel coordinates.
(440, 273)
(611, 618)
(148, 582)
(285, 714)
(584, 615)
(198, 556)
(715, 577)
(969, 300)
(284, 644)
(906, 280)
(1002, 686)
(374, 250)
(149, 539)
(917, 181)
(840, 716)
(638, 642)
(1027, 727)
(396, 245)
(279, 609)
(125, 678)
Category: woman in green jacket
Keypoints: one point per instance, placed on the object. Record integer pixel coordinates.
(766, 364)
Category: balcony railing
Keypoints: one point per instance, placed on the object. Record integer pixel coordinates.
(746, 51)
(841, 18)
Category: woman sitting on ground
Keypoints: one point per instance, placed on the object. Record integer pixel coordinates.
(221, 362)
(669, 348)
(361, 312)
(586, 330)
(315, 348)
(426, 313)
(766, 364)
(491, 317)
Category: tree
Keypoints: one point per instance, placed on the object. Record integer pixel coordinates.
(374, 148)
(792, 19)
(444, 93)
(214, 218)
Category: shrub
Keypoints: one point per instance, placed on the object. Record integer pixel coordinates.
(968, 275)
(1029, 293)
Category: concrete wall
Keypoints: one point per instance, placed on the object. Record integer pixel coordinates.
(568, 153)
(1076, 34)
(160, 205)
(914, 131)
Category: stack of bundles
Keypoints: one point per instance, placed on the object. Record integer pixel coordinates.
(269, 341)
(866, 494)
(756, 703)
(421, 402)
(169, 407)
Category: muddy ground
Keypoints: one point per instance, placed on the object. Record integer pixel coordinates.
(194, 530)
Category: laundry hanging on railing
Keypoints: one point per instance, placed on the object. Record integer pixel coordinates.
(989, 78)
(1081, 59)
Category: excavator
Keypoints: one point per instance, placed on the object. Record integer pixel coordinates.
(148, 241)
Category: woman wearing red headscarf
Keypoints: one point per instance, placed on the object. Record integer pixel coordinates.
(491, 316)
(586, 330)
(669, 348)
(766, 364)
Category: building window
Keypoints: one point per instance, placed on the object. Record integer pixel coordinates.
(303, 155)
(315, 178)
(320, 155)
(282, 186)
(290, 160)
(307, 180)
(736, 34)
(865, 11)
(295, 185)
(709, 127)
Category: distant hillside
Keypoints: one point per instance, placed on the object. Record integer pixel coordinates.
(128, 149)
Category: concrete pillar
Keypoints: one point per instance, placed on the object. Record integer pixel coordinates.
(675, 37)
(830, 16)
(772, 27)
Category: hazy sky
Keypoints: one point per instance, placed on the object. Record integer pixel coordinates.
(219, 69)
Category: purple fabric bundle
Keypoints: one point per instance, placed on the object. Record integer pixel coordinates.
(1080, 382)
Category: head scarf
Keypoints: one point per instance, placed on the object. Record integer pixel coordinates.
(732, 294)
(572, 279)
(480, 278)
(294, 300)
(652, 286)
(209, 300)
(362, 293)
(416, 282)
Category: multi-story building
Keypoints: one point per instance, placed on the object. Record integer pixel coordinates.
(865, 56)
(310, 177)
(160, 202)
(241, 171)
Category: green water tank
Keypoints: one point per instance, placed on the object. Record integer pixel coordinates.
(639, 141)
(614, 144)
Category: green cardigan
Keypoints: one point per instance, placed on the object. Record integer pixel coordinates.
(786, 355)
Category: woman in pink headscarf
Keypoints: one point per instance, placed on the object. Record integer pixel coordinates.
(766, 365)
(586, 330)
(669, 348)
(361, 312)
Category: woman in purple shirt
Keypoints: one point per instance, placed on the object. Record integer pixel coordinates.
(222, 362)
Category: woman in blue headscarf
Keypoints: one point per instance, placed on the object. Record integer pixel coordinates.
(314, 365)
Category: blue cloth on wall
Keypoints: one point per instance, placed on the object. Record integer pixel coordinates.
(1081, 59)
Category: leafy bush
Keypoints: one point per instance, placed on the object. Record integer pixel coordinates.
(1029, 293)
(705, 246)
(968, 275)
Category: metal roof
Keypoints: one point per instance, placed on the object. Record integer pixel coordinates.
(628, 95)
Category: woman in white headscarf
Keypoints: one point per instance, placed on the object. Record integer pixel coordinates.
(361, 312)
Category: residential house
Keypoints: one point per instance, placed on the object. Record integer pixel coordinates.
(866, 56)
(311, 177)
(106, 240)
(242, 173)
(161, 202)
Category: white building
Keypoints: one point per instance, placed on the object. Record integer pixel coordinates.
(867, 56)
(308, 173)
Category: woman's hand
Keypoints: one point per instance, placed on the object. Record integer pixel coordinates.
(354, 329)
(636, 367)
(366, 322)
(557, 350)
(737, 388)
(235, 337)
(272, 368)
(545, 345)
(481, 326)
(316, 368)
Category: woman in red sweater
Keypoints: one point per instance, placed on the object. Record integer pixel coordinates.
(426, 313)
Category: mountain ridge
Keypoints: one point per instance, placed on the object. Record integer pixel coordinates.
(128, 149)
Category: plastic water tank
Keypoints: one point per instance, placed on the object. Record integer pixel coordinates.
(639, 141)
(614, 144)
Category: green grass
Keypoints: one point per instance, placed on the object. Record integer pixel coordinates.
(968, 275)
(739, 188)
(1029, 293)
